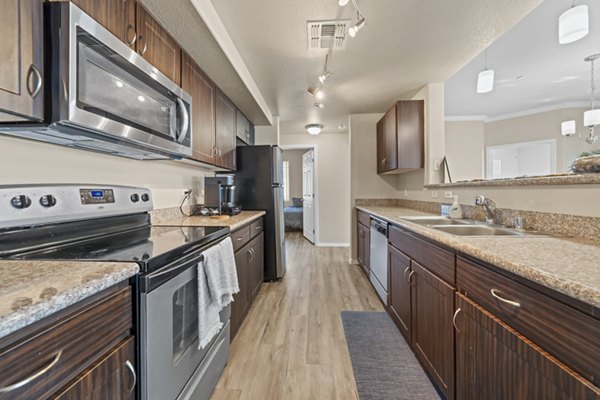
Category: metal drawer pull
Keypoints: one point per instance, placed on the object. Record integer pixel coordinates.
(133, 375)
(239, 238)
(512, 303)
(454, 319)
(409, 278)
(405, 271)
(38, 87)
(27, 380)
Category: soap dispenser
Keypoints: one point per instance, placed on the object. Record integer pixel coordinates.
(455, 209)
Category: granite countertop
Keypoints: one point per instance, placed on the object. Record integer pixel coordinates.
(568, 266)
(235, 222)
(32, 290)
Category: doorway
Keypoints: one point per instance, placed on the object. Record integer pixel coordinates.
(300, 194)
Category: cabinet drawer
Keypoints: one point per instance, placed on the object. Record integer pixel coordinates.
(240, 237)
(562, 331)
(363, 218)
(440, 262)
(256, 227)
(53, 356)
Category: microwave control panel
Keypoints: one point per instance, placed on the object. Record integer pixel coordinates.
(97, 196)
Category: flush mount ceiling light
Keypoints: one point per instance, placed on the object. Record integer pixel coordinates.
(314, 129)
(573, 24)
(485, 79)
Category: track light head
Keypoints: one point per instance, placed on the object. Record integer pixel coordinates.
(357, 27)
(323, 77)
(320, 105)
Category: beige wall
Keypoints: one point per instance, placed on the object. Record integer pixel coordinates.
(333, 183)
(464, 142)
(267, 134)
(294, 157)
(30, 162)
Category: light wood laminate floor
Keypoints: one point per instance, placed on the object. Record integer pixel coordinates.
(292, 345)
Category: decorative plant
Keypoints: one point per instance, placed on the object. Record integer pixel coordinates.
(590, 153)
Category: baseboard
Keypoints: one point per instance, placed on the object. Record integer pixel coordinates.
(353, 261)
(323, 244)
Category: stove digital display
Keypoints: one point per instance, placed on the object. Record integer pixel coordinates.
(97, 196)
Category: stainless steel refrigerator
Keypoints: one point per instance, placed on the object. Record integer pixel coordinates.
(259, 182)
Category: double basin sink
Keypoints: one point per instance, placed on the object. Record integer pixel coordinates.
(461, 227)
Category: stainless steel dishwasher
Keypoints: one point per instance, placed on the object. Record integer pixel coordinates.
(379, 268)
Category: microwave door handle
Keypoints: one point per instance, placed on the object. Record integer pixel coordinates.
(173, 121)
(185, 121)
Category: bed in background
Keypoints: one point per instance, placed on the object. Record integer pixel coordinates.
(293, 215)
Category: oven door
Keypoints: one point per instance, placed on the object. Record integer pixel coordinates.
(116, 92)
(169, 335)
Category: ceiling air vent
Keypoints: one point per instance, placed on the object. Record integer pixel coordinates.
(323, 35)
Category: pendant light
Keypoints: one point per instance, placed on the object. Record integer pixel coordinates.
(314, 129)
(573, 24)
(568, 128)
(485, 79)
(591, 118)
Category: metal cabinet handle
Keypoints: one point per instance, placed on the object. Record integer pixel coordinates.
(496, 295)
(30, 378)
(130, 29)
(405, 271)
(454, 319)
(220, 153)
(145, 47)
(239, 238)
(251, 254)
(133, 375)
(410, 278)
(38, 87)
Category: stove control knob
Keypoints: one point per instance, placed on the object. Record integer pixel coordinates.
(135, 197)
(20, 201)
(145, 197)
(48, 201)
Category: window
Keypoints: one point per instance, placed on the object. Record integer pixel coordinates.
(286, 181)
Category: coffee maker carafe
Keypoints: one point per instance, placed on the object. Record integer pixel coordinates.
(219, 194)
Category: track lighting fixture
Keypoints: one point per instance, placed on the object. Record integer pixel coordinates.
(320, 105)
(358, 26)
(323, 77)
(316, 92)
(314, 129)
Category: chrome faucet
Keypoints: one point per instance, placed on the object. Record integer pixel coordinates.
(490, 208)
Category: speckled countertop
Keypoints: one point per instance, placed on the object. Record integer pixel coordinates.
(234, 222)
(32, 290)
(568, 266)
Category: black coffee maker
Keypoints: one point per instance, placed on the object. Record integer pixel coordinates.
(219, 194)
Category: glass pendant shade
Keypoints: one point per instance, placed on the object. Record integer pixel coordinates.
(314, 129)
(591, 117)
(485, 81)
(573, 24)
(568, 128)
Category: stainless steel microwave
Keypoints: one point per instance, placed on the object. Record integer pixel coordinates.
(101, 95)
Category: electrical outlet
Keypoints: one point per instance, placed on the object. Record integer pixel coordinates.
(448, 194)
(437, 164)
(187, 192)
(434, 194)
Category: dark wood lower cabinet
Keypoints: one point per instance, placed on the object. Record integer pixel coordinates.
(257, 265)
(112, 378)
(432, 330)
(400, 291)
(364, 247)
(494, 362)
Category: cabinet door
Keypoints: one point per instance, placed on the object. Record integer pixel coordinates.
(156, 45)
(367, 250)
(242, 127)
(400, 291)
(225, 128)
(112, 378)
(410, 130)
(381, 155)
(21, 69)
(432, 333)
(202, 90)
(241, 300)
(257, 265)
(390, 140)
(360, 245)
(118, 16)
(494, 362)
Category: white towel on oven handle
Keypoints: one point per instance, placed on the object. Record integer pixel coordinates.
(217, 283)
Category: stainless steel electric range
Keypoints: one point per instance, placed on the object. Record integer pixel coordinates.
(112, 223)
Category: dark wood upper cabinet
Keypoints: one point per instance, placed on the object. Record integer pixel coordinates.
(21, 69)
(118, 16)
(401, 138)
(432, 330)
(243, 127)
(494, 362)
(202, 90)
(400, 291)
(225, 131)
(156, 45)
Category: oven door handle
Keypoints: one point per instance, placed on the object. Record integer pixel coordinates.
(174, 270)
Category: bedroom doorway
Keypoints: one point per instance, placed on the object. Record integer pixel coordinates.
(300, 197)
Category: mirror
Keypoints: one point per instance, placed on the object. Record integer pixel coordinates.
(517, 129)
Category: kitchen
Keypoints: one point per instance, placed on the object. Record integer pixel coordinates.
(121, 118)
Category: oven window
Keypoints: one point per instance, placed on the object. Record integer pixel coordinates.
(185, 319)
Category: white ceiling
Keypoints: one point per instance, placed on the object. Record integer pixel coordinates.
(404, 45)
(553, 73)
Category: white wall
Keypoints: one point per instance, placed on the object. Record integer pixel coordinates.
(333, 183)
(29, 162)
(294, 157)
(464, 143)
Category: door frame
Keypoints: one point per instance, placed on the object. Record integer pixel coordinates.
(312, 147)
